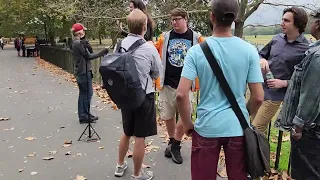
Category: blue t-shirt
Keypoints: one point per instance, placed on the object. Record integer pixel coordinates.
(240, 64)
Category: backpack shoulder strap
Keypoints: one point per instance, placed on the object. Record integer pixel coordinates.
(136, 45)
(118, 47)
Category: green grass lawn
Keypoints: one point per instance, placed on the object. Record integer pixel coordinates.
(264, 39)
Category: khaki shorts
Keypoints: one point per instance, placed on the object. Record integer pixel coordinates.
(168, 102)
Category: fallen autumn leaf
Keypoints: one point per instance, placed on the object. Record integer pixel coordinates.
(80, 178)
(145, 166)
(4, 118)
(48, 158)
(30, 138)
(68, 142)
(66, 145)
(129, 154)
(52, 152)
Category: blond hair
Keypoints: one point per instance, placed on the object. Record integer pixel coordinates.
(137, 21)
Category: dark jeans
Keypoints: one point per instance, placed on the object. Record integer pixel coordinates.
(205, 156)
(305, 158)
(85, 94)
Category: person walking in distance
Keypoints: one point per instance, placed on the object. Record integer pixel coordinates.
(217, 125)
(278, 59)
(173, 47)
(82, 60)
(139, 122)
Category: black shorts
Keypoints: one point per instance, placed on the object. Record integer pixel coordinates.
(141, 122)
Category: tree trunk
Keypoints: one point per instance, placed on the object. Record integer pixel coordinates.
(239, 28)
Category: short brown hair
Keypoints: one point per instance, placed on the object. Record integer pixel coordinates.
(136, 21)
(300, 17)
(179, 12)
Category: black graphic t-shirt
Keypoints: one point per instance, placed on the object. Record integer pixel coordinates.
(178, 46)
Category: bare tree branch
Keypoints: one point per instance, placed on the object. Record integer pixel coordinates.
(306, 6)
(254, 6)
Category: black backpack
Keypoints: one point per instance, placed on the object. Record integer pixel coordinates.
(121, 79)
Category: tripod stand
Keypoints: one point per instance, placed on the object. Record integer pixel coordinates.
(91, 130)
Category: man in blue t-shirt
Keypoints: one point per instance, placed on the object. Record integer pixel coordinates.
(217, 125)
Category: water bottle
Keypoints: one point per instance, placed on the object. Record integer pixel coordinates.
(269, 75)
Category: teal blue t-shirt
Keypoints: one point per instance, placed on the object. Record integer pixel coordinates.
(240, 64)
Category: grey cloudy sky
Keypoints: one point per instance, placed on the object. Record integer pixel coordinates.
(268, 15)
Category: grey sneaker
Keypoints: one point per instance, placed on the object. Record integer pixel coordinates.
(121, 169)
(145, 175)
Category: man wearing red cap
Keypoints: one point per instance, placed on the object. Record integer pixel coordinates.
(82, 62)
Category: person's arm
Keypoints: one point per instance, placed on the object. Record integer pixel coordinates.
(265, 51)
(156, 65)
(309, 101)
(256, 97)
(188, 75)
(255, 80)
(77, 47)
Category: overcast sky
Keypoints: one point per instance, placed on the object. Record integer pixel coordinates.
(268, 15)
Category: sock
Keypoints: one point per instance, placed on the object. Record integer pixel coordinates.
(123, 165)
(136, 177)
(176, 142)
(170, 141)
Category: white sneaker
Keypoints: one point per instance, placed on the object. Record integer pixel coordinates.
(121, 169)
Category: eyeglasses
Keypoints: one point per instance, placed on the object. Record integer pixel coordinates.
(176, 19)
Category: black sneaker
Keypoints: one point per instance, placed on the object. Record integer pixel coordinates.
(176, 154)
(93, 118)
(167, 152)
(84, 120)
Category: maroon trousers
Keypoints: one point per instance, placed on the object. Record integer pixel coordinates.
(205, 156)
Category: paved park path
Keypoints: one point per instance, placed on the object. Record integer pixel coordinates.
(43, 106)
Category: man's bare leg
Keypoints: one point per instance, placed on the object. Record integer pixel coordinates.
(123, 148)
(138, 155)
(171, 128)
